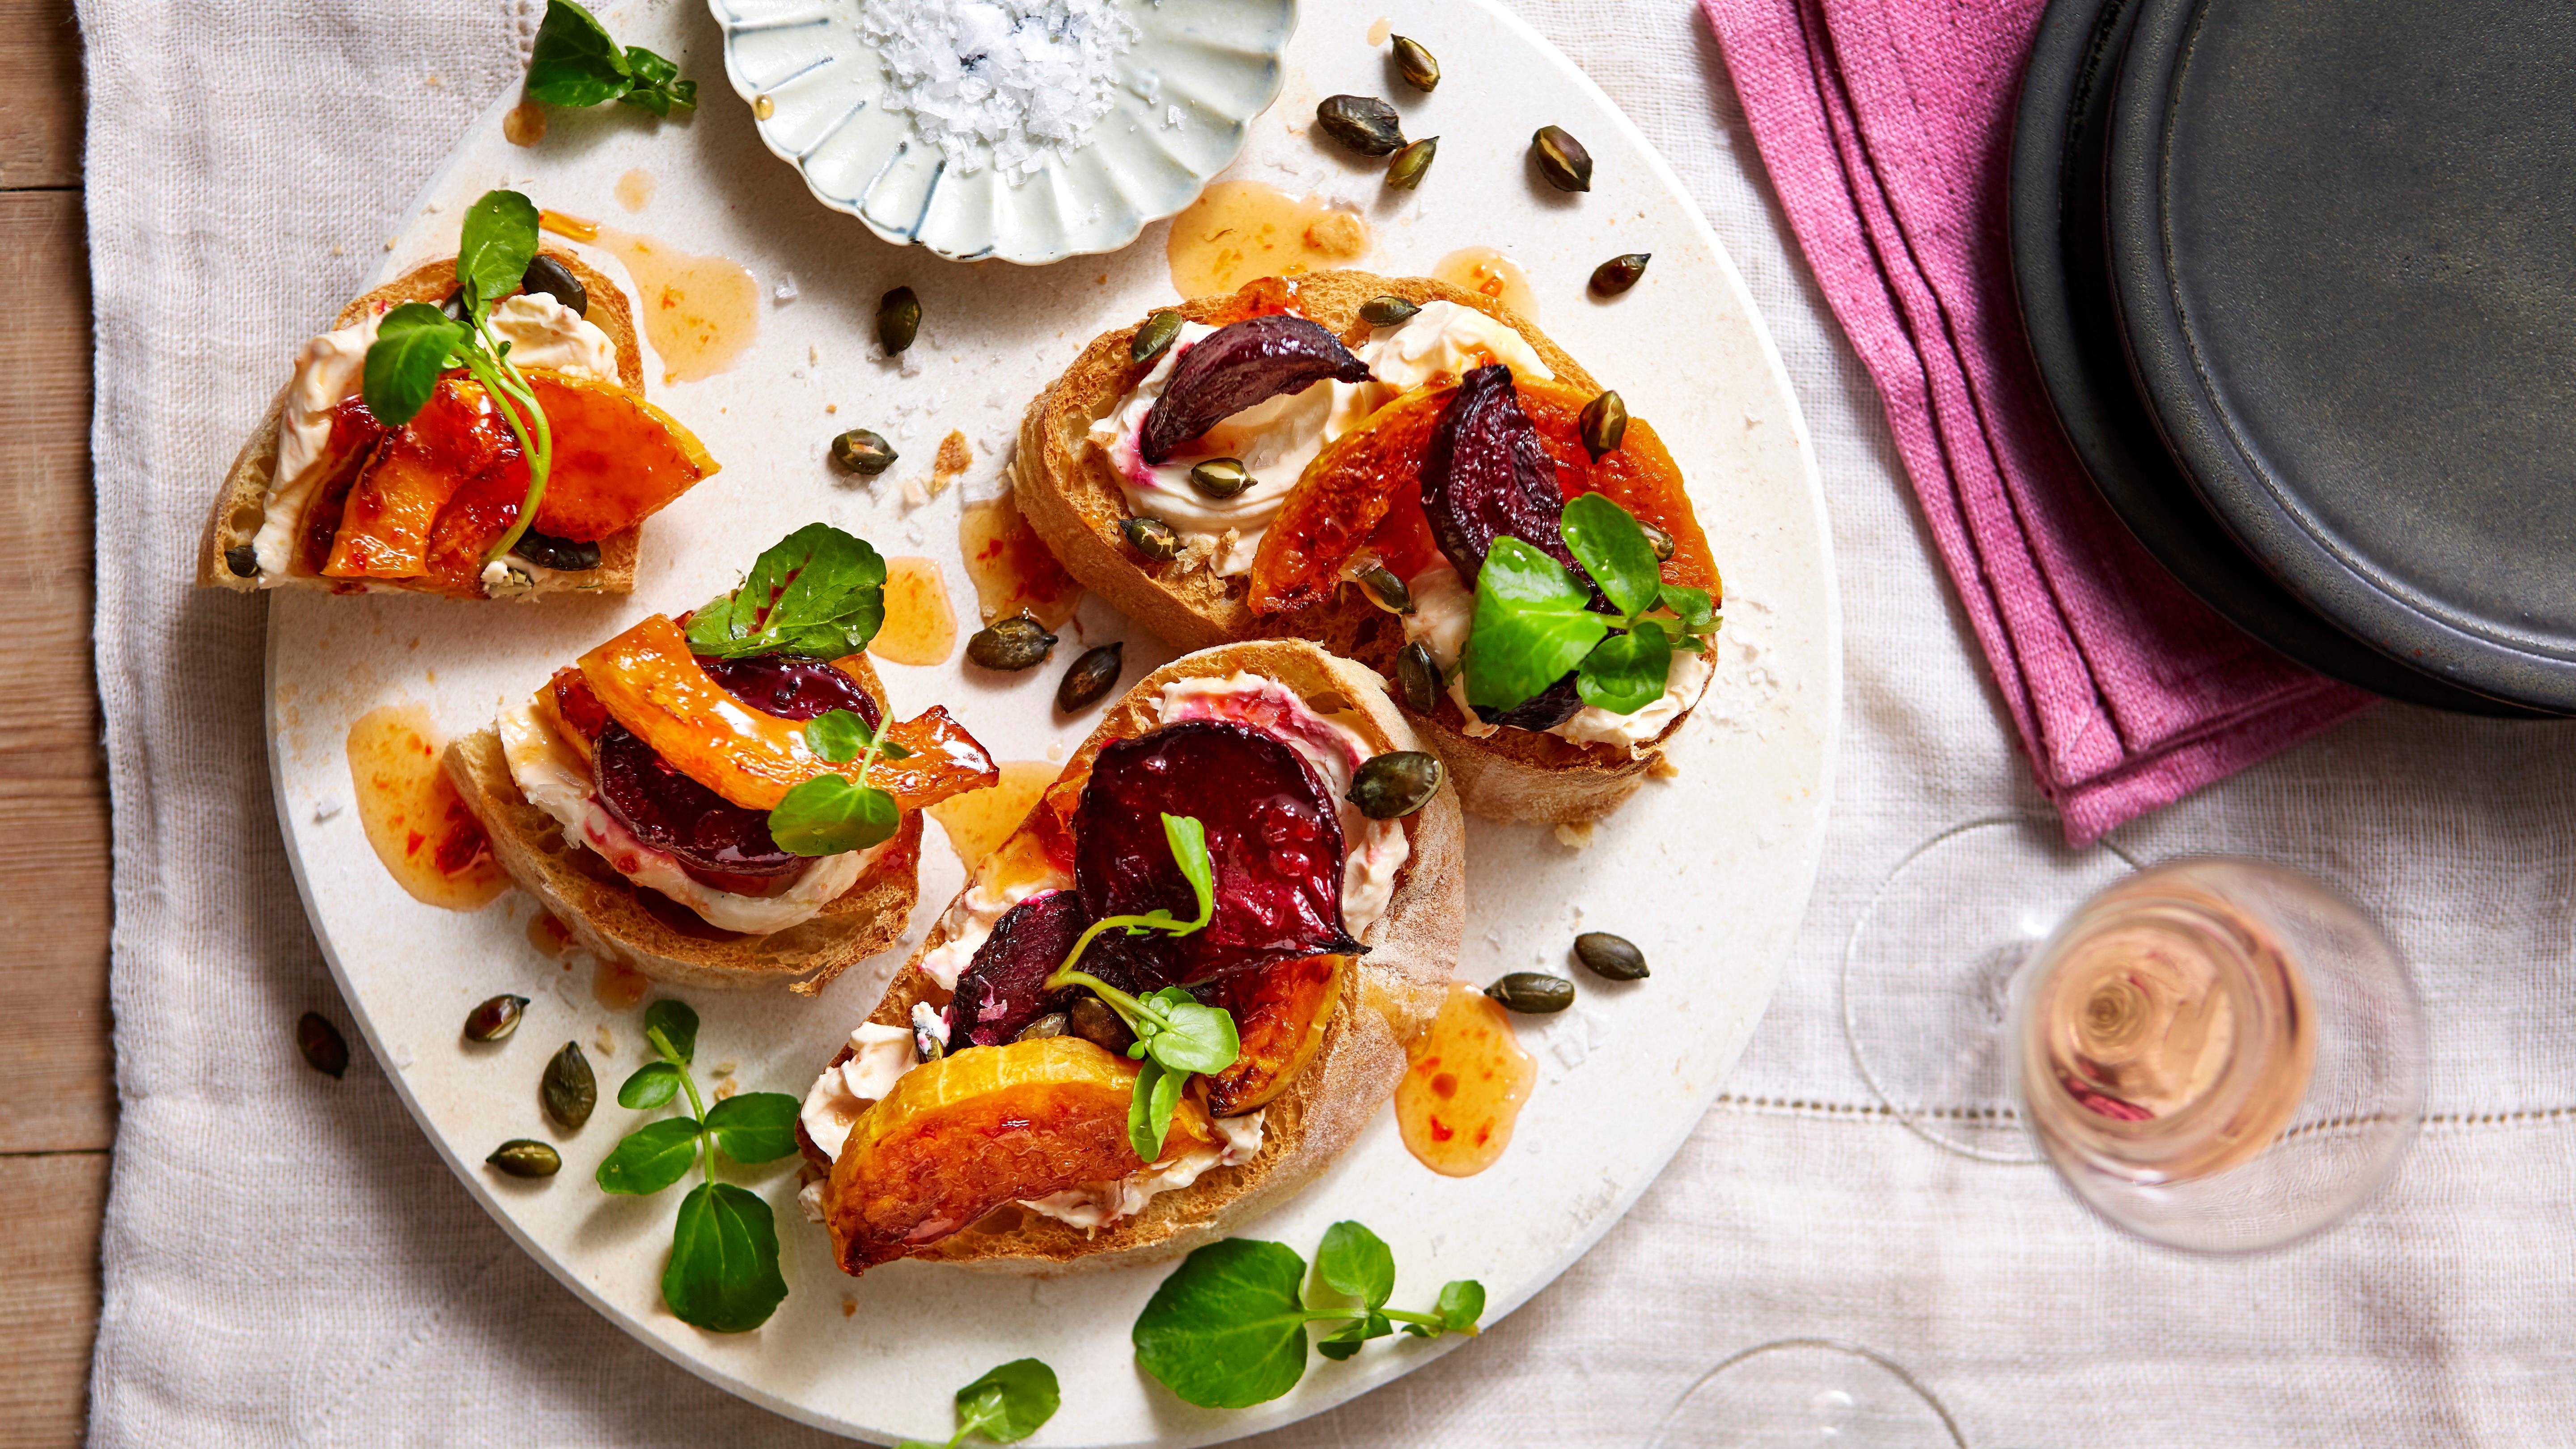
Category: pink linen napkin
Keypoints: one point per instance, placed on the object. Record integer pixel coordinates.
(1887, 129)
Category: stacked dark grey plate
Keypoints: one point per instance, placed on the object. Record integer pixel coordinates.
(2300, 278)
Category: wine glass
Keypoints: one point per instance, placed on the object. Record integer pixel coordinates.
(2217, 1054)
(1808, 1392)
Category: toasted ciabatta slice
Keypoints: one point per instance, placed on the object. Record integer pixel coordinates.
(1387, 998)
(614, 918)
(1069, 492)
(242, 506)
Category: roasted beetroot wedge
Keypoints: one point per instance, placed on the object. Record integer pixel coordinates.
(1004, 989)
(1485, 475)
(1272, 834)
(1237, 367)
(671, 812)
(792, 688)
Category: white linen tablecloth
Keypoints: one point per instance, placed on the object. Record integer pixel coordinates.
(287, 1262)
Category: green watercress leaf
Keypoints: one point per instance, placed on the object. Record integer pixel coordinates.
(652, 1157)
(1226, 1329)
(723, 1275)
(1188, 840)
(1009, 1403)
(494, 246)
(1694, 607)
(838, 735)
(1356, 1263)
(657, 86)
(1149, 1111)
(828, 815)
(576, 62)
(678, 1025)
(653, 1084)
(1627, 671)
(1345, 1341)
(1606, 540)
(1461, 1304)
(1194, 1037)
(1531, 626)
(818, 593)
(754, 1127)
(414, 344)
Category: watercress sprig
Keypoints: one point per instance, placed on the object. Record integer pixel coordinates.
(576, 63)
(417, 343)
(723, 1275)
(830, 814)
(1177, 1035)
(1227, 1329)
(1534, 622)
(818, 593)
(1005, 1406)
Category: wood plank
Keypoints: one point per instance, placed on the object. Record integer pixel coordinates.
(53, 850)
(49, 1294)
(40, 94)
(51, 725)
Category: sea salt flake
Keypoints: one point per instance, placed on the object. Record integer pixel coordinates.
(1014, 84)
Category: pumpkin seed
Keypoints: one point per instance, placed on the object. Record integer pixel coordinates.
(1011, 644)
(1533, 993)
(1415, 64)
(1660, 541)
(1091, 1019)
(1387, 311)
(1363, 123)
(1054, 1023)
(1154, 336)
(1384, 589)
(1614, 957)
(1151, 537)
(546, 277)
(1394, 785)
(495, 1019)
(1406, 170)
(863, 452)
(563, 555)
(1619, 273)
(568, 1089)
(1562, 159)
(898, 320)
(526, 1157)
(242, 559)
(1417, 678)
(1091, 676)
(325, 1050)
(1604, 423)
(1220, 478)
(929, 1032)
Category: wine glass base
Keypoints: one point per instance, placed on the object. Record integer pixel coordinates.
(1808, 1392)
(1928, 972)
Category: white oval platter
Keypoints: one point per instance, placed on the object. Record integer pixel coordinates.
(1709, 871)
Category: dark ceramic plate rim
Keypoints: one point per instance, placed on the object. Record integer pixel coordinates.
(2197, 430)
(2073, 64)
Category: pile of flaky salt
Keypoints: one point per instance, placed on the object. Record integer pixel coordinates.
(1022, 80)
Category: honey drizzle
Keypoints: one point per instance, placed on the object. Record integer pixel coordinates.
(1464, 1085)
(1239, 230)
(429, 842)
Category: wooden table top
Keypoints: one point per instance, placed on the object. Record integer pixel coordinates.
(59, 1113)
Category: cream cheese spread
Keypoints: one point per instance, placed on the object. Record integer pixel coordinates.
(552, 778)
(1275, 440)
(331, 369)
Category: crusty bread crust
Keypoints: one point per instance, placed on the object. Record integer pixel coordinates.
(610, 916)
(1388, 1000)
(243, 502)
(1071, 497)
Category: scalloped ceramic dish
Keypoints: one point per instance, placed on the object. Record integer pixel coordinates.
(1187, 91)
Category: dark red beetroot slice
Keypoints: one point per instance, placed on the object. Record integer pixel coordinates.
(1549, 709)
(1271, 831)
(671, 812)
(1485, 475)
(1004, 989)
(791, 688)
(1237, 367)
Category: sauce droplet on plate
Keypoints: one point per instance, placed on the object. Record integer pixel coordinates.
(551, 937)
(920, 627)
(618, 986)
(429, 842)
(1239, 230)
(978, 821)
(1011, 567)
(1380, 30)
(635, 189)
(699, 312)
(524, 124)
(1488, 273)
(1464, 1086)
